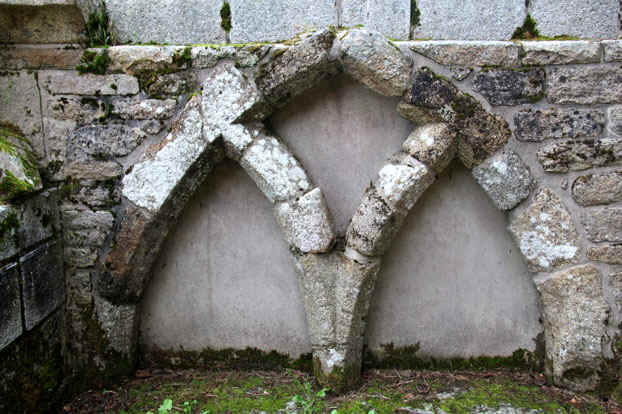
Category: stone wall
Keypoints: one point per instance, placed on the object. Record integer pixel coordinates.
(537, 123)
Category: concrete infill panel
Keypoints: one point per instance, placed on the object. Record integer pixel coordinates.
(43, 282)
(32, 21)
(596, 19)
(274, 20)
(166, 21)
(10, 311)
(473, 19)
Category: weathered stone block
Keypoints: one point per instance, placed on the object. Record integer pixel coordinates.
(119, 322)
(95, 194)
(585, 84)
(39, 57)
(389, 17)
(131, 108)
(579, 155)
(20, 106)
(474, 19)
(54, 22)
(134, 59)
(608, 254)
(72, 83)
(468, 53)
(84, 227)
(575, 317)
(274, 169)
(537, 125)
(373, 225)
(166, 21)
(400, 186)
(615, 120)
(599, 188)
(432, 144)
(80, 257)
(505, 178)
(298, 68)
(545, 233)
(151, 181)
(103, 142)
(593, 20)
(9, 224)
(603, 224)
(560, 53)
(612, 50)
(82, 110)
(510, 87)
(38, 219)
(372, 60)
(172, 84)
(306, 223)
(43, 282)
(270, 20)
(238, 137)
(18, 169)
(11, 310)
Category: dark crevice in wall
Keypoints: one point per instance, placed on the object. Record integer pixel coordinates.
(225, 19)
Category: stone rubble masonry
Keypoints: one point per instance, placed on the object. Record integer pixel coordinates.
(11, 310)
(469, 53)
(132, 108)
(584, 84)
(608, 254)
(72, 83)
(537, 125)
(510, 87)
(389, 17)
(505, 178)
(277, 173)
(615, 120)
(8, 238)
(297, 68)
(577, 155)
(545, 233)
(598, 188)
(603, 224)
(474, 19)
(597, 19)
(574, 314)
(371, 59)
(432, 144)
(84, 227)
(165, 21)
(560, 53)
(274, 20)
(612, 50)
(305, 223)
(43, 282)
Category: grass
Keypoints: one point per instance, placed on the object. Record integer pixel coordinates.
(382, 391)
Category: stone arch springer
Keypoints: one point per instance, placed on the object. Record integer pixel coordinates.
(226, 119)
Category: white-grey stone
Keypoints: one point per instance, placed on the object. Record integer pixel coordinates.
(469, 52)
(132, 108)
(11, 310)
(72, 83)
(505, 178)
(103, 142)
(371, 59)
(536, 125)
(596, 19)
(545, 233)
(274, 20)
(603, 224)
(20, 106)
(75, 108)
(204, 57)
(389, 17)
(119, 323)
(612, 50)
(131, 59)
(473, 19)
(574, 313)
(151, 181)
(615, 120)
(238, 137)
(432, 144)
(274, 169)
(401, 185)
(560, 53)
(306, 223)
(584, 84)
(166, 21)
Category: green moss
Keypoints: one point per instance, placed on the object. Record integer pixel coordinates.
(406, 358)
(183, 59)
(528, 30)
(225, 17)
(98, 31)
(415, 14)
(94, 62)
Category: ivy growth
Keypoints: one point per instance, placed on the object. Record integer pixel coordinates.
(225, 17)
(98, 31)
(93, 62)
(528, 30)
